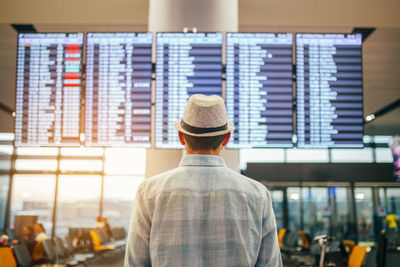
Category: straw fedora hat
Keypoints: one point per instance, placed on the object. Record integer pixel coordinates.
(204, 116)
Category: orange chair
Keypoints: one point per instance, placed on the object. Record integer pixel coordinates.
(38, 251)
(96, 242)
(7, 258)
(305, 240)
(349, 245)
(281, 234)
(357, 256)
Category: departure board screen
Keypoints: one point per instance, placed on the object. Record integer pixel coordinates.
(118, 89)
(48, 89)
(259, 89)
(186, 64)
(329, 90)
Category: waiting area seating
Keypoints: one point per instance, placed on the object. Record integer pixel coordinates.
(7, 258)
(357, 256)
(298, 249)
(85, 247)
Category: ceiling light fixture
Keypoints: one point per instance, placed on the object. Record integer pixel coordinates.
(370, 117)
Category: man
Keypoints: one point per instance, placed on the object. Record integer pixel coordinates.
(40, 234)
(202, 213)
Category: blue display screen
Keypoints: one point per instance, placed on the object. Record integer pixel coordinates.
(259, 89)
(186, 64)
(48, 89)
(329, 90)
(118, 89)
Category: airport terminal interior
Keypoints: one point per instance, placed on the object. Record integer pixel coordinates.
(90, 91)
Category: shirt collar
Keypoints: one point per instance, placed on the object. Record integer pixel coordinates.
(202, 160)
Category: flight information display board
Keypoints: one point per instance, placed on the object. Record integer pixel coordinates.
(329, 90)
(259, 89)
(186, 64)
(118, 89)
(48, 89)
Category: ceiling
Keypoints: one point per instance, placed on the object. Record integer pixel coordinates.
(381, 51)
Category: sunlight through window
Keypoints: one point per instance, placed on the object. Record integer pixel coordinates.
(36, 164)
(125, 161)
(82, 151)
(119, 194)
(80, 165)
(4, 183)
(78, 202)
(37, 151)
(33, 195)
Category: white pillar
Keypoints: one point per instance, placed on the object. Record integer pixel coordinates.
(205, 15)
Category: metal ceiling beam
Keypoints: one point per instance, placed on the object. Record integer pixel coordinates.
(365, 32)
(24, 28)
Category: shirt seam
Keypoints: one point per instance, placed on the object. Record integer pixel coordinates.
(208, 191)
(205, 165)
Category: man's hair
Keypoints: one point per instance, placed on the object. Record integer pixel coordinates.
(204, 143)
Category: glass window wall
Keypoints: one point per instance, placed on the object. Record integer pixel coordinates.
(78, 202)
(364, 213)
(4, 183)
(119, 194)
(293, 194)
(389, 197)
(33, 195)
(316, 219)
(393, 195)
(277, 202)
(343, 227)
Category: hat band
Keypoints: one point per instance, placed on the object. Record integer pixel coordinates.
(197, 130)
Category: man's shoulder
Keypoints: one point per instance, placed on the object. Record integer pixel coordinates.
(161, 176)
(230, 179)
(252, 186)
(152, 183)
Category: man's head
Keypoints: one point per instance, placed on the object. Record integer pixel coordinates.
(204, 128)
(204, 143)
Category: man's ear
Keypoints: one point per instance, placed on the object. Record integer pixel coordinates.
(181, 139)
(226, 140)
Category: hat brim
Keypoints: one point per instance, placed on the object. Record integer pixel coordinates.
(230, 128)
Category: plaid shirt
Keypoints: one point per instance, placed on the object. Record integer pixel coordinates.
(202, 214)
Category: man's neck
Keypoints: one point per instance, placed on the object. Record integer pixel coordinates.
(216, 152)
